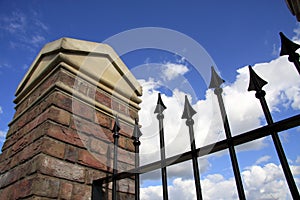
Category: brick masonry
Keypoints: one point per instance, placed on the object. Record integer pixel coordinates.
(60, 140)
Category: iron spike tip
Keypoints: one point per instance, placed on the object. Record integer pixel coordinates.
(136, 131)
(215, 81)
(116, 127)
(256, 83)
(287, 46)
(160, 107)
(188, 111)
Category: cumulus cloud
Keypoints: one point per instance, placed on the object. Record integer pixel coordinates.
(2, 135)
(243, 109)
(263, 159)
(172, 70)
(260, 182)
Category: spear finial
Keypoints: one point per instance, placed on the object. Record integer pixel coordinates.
(256, 83)
(287, 46)
(215, 81)
(136, 131)
(116, 127)
(160, 107)
(188, 111)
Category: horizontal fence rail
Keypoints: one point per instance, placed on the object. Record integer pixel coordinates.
(272, 129)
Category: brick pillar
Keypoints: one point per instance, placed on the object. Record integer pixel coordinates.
(60, 139)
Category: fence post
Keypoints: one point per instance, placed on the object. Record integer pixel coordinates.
(188, 114)
(288, 48)
(215, 83)
(136, 142)
(256, 84)
(160, 107)
(116, 136)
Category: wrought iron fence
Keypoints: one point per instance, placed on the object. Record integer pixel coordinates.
(271, 129)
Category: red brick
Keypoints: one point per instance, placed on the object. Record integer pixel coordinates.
(82, 125)
(83, 110)
(45, 186)
(92, 175)
(81, 192)
(53, 148)
(65, 190)
(98, 146)
(71, 153)
(92, 160)
(59, 115)
(103, 99)
(103, 120)
(68, 135)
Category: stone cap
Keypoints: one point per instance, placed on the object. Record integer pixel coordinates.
(97, 60)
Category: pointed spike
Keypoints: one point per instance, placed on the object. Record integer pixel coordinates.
(136, 131)
(215, 81)
(160, 107)
(116, 127)
(287, 46)
(256, 83)
(188, 111)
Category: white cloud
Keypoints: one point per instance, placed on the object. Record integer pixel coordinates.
(172, 70)
(263, 159)
(2, 134)
(298, 159)
(243, 109)
(260, 182)
(1, 110)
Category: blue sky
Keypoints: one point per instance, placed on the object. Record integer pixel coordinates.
(233, 33)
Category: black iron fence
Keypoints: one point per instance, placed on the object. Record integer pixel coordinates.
(271, 129)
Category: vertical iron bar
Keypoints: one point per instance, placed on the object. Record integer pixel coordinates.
(232, 153)
(216, 82)
(116, 136)
(256, 84)
(160, 107)
(136, 142)
(187, 114)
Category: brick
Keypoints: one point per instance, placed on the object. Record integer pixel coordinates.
(25, 188)
(103, 120)
(70, 136)
(27, 153)
(62, 169)
(92, 160)
(98, 146)
(87, 127)
(71, 153)
(81, 192)
(53, 148)
(59, 115)
(125, 156)
(92, 175)
(65, 190)
(126, 185)
(83, 110)
(45, 186)
(103, 99)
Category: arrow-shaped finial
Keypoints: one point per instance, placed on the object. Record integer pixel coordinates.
(287, 46)
(188, 111)
(116, 127)
(215, 80)
(256, 83)
(136, 131)
(160, 107)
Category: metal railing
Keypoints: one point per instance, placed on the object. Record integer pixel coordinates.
(271, 129)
